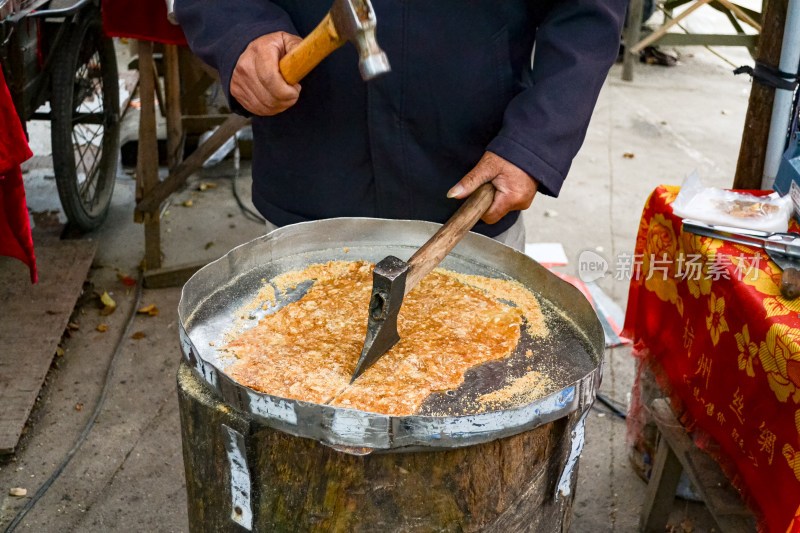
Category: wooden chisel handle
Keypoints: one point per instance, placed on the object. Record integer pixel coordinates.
(790, 283)
(314, 48)
(449, 235)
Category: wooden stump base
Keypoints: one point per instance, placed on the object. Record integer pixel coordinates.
(292, 484)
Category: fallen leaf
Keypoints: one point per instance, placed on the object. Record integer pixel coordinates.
(60, 351)
(102, 328)
(151, 310)
(138, 335)
(127, 280)
(206, 185)
(109, 305)
(188, 203)
(73, 326)
(628, 155)
(78, 406)
(18, 492)
(209, 245)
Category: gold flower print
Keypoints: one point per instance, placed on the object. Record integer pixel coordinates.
(704, 249)
(793, 456)
(658, 261)
(715, 321)
(669, 193)
(780, 358)
(748, 351)
(768, 282)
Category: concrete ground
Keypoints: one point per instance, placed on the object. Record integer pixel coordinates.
(128, 475)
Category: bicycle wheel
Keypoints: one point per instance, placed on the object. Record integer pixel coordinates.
(85, 121)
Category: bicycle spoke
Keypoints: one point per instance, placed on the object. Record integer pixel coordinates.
(91, 180)
(80, 159)
(91, 172)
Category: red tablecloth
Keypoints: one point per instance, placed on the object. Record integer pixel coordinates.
(15, 230)
(708, 319)
(140, 19)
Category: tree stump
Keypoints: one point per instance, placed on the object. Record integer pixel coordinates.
(300, 485)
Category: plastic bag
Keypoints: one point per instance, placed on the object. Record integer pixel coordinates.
(769, 213)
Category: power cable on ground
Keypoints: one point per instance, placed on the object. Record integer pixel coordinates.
(90, 424)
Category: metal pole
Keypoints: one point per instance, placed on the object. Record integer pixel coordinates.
(781, 108)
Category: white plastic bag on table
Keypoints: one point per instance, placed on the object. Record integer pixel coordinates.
(769, 213)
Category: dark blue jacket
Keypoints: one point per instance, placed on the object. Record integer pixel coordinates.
(461, 84)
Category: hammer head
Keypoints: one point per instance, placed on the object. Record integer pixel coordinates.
(355, 21)
(388, 290)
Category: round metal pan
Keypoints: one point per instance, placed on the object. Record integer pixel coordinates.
(572, 355)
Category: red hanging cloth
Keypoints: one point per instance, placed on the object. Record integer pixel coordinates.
(15, 229)
(140, 19)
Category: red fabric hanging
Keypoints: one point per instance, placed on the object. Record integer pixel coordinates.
(140, 19)
(15, 229)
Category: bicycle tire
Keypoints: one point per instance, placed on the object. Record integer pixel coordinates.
(85, 188)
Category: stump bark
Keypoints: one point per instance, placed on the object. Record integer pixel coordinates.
(301, 485)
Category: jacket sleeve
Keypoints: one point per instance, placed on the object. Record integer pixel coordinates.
(545, 124)
(219, 31)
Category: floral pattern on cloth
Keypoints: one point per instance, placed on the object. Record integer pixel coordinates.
(711, 323)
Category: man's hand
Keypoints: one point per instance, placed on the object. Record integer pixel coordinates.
(257, 82)
(515, 188)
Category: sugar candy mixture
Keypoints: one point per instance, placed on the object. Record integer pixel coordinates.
(450, 322)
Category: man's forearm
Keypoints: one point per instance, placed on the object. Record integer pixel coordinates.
(218, 32)
(544, 126)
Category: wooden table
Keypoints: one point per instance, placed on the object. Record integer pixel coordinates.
(634, 43)
(708, 320)
(677, 454)
(186, 79)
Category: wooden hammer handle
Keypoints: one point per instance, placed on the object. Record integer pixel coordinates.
(449, 235)
(314, 48)
(790, 283)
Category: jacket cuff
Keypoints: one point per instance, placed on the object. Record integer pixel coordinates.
(236, 47)
(549, 179)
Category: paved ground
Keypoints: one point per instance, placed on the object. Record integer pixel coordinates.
(128, 475)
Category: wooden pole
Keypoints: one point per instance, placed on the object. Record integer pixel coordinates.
(633, 30)
(151, 202)
(192, 70)
(750, 166)
(147, 156)
(172, 88)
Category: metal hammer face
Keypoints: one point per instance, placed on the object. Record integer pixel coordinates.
(355, 21)
(388, 290)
